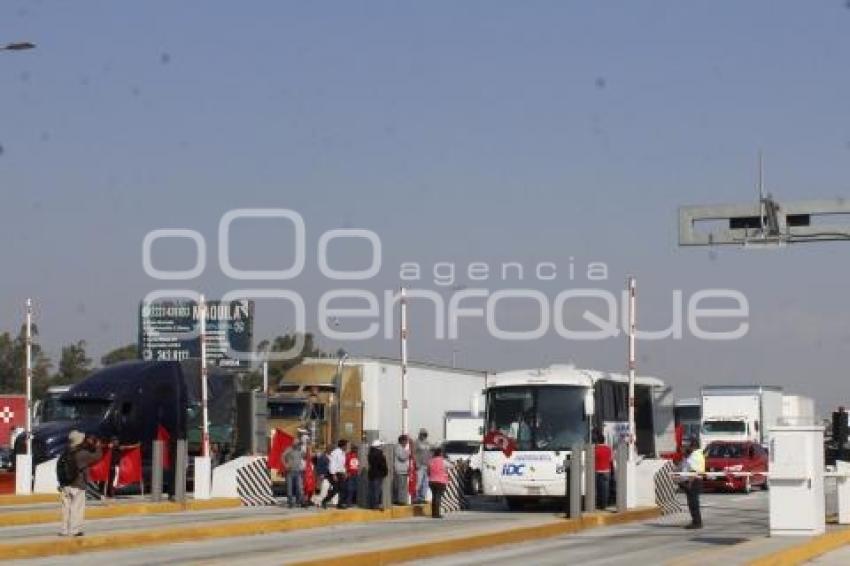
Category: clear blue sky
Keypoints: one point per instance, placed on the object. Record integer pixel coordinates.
(458, 131)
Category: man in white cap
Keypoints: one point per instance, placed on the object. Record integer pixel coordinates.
(72, 471)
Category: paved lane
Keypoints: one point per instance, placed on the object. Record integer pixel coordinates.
(736, 529)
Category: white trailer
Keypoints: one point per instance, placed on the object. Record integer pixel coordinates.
(432, 392)
(368, 402)
(798, 410)
(463, 426)
(740, 413)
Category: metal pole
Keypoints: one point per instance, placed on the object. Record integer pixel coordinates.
(387, 495)
(205, 447)
(156, 471)
(590, 478)
(632, 325)
(28, 349)
(180, 464)
(574, 495)
(363, 476)
(567, 482)
(266, 376)
(404, 423)
(622, 457)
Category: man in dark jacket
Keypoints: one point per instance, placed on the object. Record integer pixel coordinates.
(377, 473)
(85, 452)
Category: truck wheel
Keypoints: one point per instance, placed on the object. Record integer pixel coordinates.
(765, 486)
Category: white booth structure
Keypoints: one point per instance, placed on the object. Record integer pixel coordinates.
(797, 505)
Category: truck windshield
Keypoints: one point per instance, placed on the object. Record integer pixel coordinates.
(543, 417)
(82, 409)
(287, 410)
(53, 410)
(726, 427)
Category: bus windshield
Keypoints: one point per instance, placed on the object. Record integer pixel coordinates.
(542, 417)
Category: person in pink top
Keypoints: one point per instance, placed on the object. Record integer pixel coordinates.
(438, 477)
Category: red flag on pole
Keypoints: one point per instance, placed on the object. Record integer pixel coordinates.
(411, 477)
(309, 476)
(99, 471)
(280, 441)
(495, 439)
(130, 466)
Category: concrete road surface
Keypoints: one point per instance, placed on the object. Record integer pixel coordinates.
(840, 557)
(736, 530)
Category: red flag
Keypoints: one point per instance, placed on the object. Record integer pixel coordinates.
(411, 477)
(162, 434)
(280, 441)
(309, 476)
(495, 439)
(130, 466)
(99, 471)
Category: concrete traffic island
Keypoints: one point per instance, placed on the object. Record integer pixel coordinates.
(43, 546)
(31, 499)
(107, 510)
(446, 546)
(807, 550)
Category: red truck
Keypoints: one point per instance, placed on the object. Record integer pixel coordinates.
(13, 417)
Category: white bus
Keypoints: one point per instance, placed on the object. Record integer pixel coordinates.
(545, 411)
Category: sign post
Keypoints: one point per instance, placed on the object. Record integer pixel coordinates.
(632, 317)
(23, 462)
(205, 438)
(29, 376)
(403, 318)
(203, 463)
(631, 464)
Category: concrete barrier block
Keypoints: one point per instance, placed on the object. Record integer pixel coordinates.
(202, 477)
(645, 481)
(843, 494)
(23, 474)
(247, 478)
(45, 477)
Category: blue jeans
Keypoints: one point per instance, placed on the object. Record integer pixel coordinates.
(603, 484)
(421, 484)
(294, 488)
(376, 492)
(351, 492)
